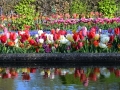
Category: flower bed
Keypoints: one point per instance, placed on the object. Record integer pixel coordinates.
(83, 40)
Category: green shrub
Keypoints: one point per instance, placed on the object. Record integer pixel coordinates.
(107, 7)
(77, 7)
(26, 11)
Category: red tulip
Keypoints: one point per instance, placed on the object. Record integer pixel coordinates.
(117, 31)
(12, 36)
(56, 36)
(80, 44)
(81, 71)
(96, 70)
(62, 32)
(6, 75)
(32, 70)
(32, 42)
(111, 38)
(81, 35)
(117, 73)
(91, 35)
(93, 77)
(83, 77)
(53, 31)
(3, 38)
(57, 71)
(26, 76)
(77, 73)
(14, 74)
(24, 37)
(111, 69)
(76, 37)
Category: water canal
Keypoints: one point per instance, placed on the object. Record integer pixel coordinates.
(38, 78)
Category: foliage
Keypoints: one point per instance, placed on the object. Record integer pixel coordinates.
(107, 7)
(77, 7)
(27, 13)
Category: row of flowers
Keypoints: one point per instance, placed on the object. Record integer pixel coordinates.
(63, 21)
(94, 40)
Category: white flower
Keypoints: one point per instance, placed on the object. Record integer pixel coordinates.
(36, 35)
(105, 39)
(102, 45)
(52, 76)
(16, 45)
(41, 40)
(63, 72)
(42, 73)
(53, 48)
(22, 32)
(105, 72)
(50, 38)
(57, 30)
(40, 32)
(63, 41)
(16, 41)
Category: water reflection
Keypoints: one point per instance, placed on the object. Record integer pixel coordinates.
(92, 78)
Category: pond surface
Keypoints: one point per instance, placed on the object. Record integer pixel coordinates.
(84, 78)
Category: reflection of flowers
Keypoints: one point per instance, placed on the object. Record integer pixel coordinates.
(105, 72)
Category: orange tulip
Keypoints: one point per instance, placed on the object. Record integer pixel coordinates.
(96, 43)
(11, 43)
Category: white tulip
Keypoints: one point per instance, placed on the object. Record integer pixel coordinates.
(22, 32)
(105, 72)
(63, 41)
(41, 41)
(52, 76)
(16, 41)
(40, 32)
(49, 37)
(42, 73)
(53, 48)
(105, 39)
(63, 72)
(16, 45)
(102, 45)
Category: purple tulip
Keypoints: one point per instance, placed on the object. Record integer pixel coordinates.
(47, 49)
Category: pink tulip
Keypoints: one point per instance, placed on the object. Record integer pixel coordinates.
(84, 31)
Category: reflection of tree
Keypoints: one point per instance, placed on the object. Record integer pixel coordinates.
(6, 84)
(69, 79)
